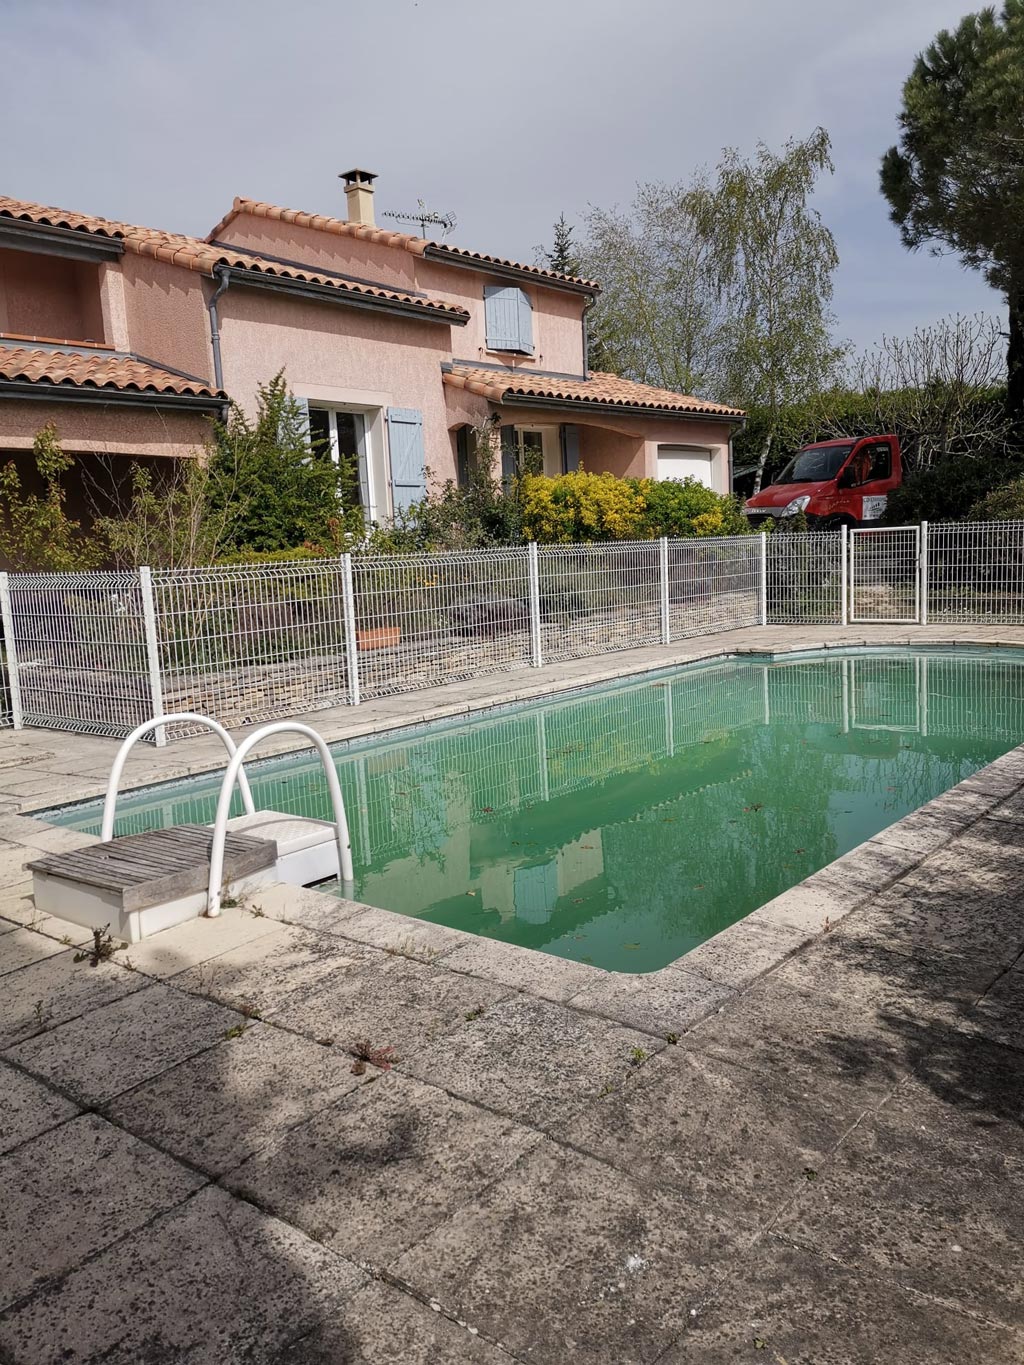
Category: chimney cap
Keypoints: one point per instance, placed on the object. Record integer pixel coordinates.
(357, 177)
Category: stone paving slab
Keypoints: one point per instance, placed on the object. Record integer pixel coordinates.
(265, 972)
(234, 1099)
(112, 1049)
(383, 1326)
(735, 1145)
(608, 1268)
(196, 942)
(787, 1304)
(213, 1282)
(46, 993)
(659, 1003)
(19, 947)
(524, 969)
(894, 1200)
(389, 1001)
(534, 1061)
(28, 1107)
(738, 956)
(74, 1191)
(375, 1173)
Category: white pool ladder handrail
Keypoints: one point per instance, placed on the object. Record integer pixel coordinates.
(114, 782)
(234, 770)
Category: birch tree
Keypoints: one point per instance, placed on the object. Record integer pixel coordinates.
(773, 260)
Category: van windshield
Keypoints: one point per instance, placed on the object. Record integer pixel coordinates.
(815, 464)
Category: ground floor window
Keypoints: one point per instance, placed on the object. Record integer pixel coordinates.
(341, 435)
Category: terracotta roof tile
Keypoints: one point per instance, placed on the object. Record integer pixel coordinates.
(193, 253)
(419, 246)
(100, 369)
(606, 389)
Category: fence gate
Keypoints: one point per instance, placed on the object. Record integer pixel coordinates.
(885, 575)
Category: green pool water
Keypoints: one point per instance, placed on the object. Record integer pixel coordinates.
(624, 825)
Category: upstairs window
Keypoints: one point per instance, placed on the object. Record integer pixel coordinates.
(508, 319)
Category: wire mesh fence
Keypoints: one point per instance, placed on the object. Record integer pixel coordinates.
(248, 643)
(713, 584)
(804, 578)
(598, 598)
(79, 645)
(427, 619)
(101, 652)
(976, 572)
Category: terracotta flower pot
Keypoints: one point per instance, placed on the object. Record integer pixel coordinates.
(378, 637)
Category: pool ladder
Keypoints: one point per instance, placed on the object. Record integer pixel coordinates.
(235, 772)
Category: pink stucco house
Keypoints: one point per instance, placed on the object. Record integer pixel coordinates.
(129, 338)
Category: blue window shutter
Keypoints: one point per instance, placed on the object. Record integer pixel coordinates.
(525, 323)
(570, 441)
(509, 453)
(407, 455)
(502, 317)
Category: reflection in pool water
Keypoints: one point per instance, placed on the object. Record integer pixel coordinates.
(624, 825)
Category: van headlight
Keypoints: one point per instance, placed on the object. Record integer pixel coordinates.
(797, 505)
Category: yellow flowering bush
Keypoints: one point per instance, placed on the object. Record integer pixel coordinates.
(582, 507)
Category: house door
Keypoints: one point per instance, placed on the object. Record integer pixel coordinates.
(685, 462)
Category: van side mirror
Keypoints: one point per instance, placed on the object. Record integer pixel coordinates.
(847, 477)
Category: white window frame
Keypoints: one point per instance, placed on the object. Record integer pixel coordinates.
(550, 448)
(371, 454)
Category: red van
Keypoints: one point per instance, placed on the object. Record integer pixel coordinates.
(835, 483)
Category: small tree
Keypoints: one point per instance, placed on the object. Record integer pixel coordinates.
(170, 527)
(288, 492)
(35, 529)
(564, 255)
(955, 181)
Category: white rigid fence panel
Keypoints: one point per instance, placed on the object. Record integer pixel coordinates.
(427, 619)
(598, 598)
(248, 643)
(805, 578)
(713, 584)
(975, 571)
(101, 652)
(885, 574)
(80, 648)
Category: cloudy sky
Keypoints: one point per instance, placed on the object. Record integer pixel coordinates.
(505, 114)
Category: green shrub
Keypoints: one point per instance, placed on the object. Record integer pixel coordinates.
(950, 490)
(1002, 504)
(582, 507)
(688, 508)
(281, 495)
(35, 529)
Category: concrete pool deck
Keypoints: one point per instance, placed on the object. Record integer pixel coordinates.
(825, 1165)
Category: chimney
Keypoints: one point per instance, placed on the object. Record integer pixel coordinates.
(359, 193)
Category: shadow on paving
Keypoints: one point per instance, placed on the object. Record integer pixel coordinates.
(124, 1245)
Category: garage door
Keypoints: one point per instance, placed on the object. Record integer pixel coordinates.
(685, 462)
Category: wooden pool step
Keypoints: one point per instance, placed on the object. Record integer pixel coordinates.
(141, 883)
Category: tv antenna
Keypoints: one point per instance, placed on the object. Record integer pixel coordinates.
(426, 218)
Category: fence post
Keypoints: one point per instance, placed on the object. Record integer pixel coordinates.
(763, 609)
(156, 691)
(348, 608)
(13, 681)
(844, 565)
(666, 634)
(922, 588)
(533, 578)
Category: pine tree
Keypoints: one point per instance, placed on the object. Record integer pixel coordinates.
(564, 256)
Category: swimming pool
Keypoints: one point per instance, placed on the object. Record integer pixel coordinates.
(625, 824)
